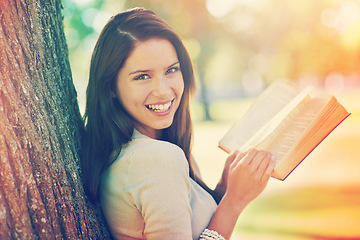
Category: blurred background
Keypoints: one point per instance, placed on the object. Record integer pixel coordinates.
(238, 47)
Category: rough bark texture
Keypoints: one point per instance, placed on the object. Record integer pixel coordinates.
(41, 195)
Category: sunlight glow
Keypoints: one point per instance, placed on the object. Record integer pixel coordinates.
(100, 20)
(241, 22)
(252, 83)
(219, 8)
(193, 47)
(342, 18)
(83, 2)
(87, 17)
(334, 81)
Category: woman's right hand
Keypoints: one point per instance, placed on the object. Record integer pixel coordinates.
(248, 176)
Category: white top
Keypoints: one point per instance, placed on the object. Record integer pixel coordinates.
(147, 193)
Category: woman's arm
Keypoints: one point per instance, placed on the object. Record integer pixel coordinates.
(247, 177)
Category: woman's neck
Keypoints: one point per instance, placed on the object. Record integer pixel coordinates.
(151, 133)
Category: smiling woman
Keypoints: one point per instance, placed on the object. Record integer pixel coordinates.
(137, 141)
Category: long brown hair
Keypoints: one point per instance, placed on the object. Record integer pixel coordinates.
(108, 126)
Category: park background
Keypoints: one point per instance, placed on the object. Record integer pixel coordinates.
(239, 47)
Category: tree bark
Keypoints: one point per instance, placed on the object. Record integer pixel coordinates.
(41, 195)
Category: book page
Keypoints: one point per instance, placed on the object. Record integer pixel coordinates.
(273, 127)
(265, 107)
(281, 142)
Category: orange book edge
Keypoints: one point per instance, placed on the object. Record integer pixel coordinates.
(282, 179)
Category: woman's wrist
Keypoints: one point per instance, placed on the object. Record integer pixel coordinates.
(225, 217)
(236, 205)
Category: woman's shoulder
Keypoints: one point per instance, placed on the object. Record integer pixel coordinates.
(153, 145)
(149, 156)
(155, 151)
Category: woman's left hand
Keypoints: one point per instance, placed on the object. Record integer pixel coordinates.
(222, 185)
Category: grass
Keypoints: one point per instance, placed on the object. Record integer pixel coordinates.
(319, 200)
(306, 213)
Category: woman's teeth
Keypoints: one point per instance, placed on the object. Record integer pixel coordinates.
(159, 107)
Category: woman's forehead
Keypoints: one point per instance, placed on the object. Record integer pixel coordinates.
(154, 52)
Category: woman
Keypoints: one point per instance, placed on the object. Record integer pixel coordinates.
(136, 150)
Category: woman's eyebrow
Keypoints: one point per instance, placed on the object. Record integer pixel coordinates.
(145, 71)
(173, 64)
(139, 71)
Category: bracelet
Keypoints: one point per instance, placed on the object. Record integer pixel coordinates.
(208, 234)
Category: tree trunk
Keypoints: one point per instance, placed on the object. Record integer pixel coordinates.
(41, 195)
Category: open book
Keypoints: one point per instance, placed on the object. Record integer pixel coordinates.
(286, 122)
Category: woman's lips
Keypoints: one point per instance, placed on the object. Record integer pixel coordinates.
(160, 107)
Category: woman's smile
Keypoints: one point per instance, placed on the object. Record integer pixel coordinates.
(160, 107)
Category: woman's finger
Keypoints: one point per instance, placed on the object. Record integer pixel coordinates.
(269, 170)
(263, 164)
(248, 158)
(232, 156)
(258, 158)
(237, 159)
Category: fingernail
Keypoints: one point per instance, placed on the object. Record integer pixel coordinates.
(273, 158)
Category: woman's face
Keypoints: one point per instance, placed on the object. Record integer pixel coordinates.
(150, 85)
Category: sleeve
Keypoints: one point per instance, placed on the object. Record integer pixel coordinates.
(162, 193)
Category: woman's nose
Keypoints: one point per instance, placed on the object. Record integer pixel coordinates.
(160, 86)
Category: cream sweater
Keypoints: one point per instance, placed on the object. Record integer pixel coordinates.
(147, 193)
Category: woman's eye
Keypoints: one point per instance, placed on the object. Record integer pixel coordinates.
(172, 70)
(142, 77)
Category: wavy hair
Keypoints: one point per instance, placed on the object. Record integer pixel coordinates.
(108, 126)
